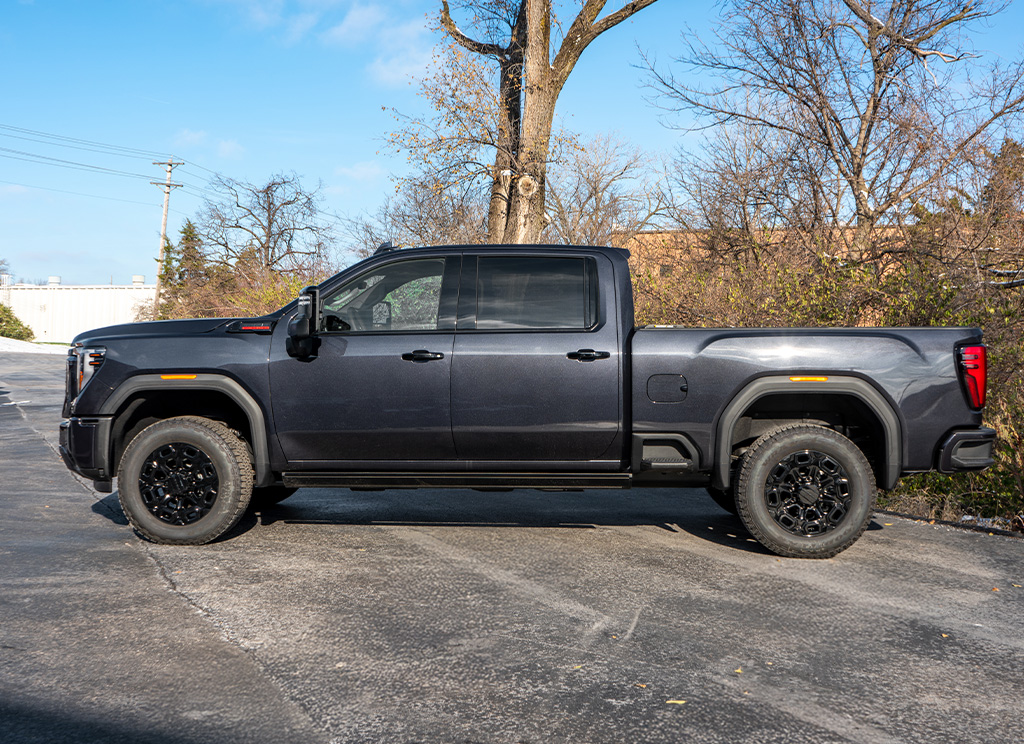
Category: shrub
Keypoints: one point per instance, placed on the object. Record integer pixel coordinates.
(11, 327)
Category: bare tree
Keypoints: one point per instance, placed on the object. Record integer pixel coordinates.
(422, 213)
(505, 130)
(1003, 194)
(605, 195)
(276, 227)
(248, 251)
(886, 105)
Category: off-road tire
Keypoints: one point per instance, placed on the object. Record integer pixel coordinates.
(197, 478)
(805, 491)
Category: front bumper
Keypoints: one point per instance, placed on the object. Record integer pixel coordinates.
(967, 449)
(85, 447)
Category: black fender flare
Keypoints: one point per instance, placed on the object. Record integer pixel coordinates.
(220, 383)
(830, 385)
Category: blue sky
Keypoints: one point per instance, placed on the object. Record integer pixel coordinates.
(247, 88)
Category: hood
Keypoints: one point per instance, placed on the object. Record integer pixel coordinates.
(153, 329)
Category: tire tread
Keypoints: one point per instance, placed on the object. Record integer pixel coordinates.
(242, 461)
(743, 497)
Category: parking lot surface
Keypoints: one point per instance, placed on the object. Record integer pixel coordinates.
(459, 616)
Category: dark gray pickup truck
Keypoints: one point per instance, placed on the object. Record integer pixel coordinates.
(504, 367)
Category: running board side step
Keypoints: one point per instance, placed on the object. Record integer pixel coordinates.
(543, 481)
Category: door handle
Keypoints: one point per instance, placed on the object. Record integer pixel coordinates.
(422, 355)
(588, 355)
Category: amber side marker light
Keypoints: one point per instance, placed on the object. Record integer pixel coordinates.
(178, 377)
(808, 379)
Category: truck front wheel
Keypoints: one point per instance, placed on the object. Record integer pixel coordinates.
(185, 481)
(805, 491)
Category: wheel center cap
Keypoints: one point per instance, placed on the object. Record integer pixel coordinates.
(809, 494)
(177, 484)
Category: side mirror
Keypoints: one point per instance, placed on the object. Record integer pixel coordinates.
(302, 328)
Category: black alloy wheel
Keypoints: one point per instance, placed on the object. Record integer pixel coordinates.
(805, 491)
(178, 483)
(808, 493)
(185, 480)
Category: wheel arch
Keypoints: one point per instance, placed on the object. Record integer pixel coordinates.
(862, 400)
(145, 398)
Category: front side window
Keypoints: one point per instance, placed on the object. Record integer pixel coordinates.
(401, 296)
(530, 292)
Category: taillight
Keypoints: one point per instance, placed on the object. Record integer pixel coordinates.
(973, 374)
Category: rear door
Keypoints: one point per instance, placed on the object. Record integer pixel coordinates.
(536, 364)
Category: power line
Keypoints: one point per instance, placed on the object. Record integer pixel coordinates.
(78, 193)
(199, 190)
(87, 148)
(31, 157)
(77, 143)
(64, 141)
(102, 148)
(205, 169)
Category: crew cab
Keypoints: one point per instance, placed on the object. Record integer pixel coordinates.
(497, 367)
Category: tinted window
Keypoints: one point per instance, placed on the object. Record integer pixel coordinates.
(403, 296)
(532, 292)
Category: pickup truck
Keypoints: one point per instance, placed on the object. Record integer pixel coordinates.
(499, 367)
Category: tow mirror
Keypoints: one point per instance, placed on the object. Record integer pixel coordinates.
(303, 325)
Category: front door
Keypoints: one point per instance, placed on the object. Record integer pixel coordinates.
(378, 386)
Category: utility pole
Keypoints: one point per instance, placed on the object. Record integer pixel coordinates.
(167, 186)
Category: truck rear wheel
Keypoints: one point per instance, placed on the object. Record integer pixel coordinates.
(805, 491)
(185, 481)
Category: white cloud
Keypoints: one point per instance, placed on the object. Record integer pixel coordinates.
(409, 57)
(189, 138)
(12, 189)
(367, 170)
(264, 14)
(355, 179)
(258, 13)
(298, 26)
(357, 26)
(229, 150)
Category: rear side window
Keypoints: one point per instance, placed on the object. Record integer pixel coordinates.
(517, 292)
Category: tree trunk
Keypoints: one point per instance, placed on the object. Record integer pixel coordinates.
(526, 208)
(510, 115)
(516, 209)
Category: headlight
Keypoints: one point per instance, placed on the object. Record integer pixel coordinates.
(87, 361)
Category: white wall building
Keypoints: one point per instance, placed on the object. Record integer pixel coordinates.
(59, 312)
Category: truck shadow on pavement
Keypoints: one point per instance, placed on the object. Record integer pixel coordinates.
(110, 508)
(678, 511)
(691, 512)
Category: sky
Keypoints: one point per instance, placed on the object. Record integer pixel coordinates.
(247, 89)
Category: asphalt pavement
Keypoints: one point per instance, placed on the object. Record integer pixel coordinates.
(458, 616)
